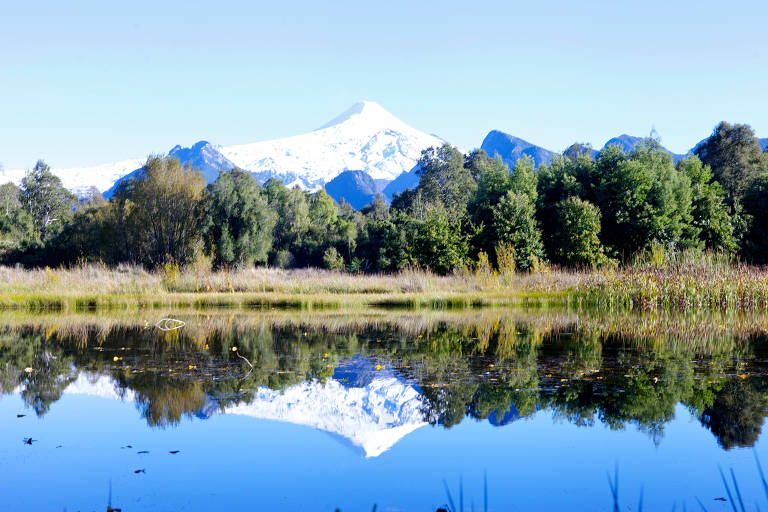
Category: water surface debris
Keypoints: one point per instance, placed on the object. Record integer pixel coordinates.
(170, 324)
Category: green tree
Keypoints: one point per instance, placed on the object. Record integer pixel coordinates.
(736, 417)
(733, 153)
(162, 212)
(755, 202)
(523, 179)
(89, 236)
(293, 221)
(710, 215)
(515, 223)
(578, 234)
(493, 182)
(564, 177)
(439, 243)
(9, 199)
(387, 242)
(332, 260)
(239, 221)
(444, 182)
(643, 199)
(46, 200)
(17, 229)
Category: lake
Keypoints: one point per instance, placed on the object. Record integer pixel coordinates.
(397, 410)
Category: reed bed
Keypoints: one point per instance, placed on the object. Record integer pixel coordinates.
(683, 284)
(677, 287)
(99, 287)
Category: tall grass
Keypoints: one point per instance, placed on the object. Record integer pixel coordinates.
(96, 286)
(656, 280)
(679, 281)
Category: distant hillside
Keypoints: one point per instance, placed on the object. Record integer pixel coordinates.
(511, 149)
(355, 187)
(405, 181)
(628, 143)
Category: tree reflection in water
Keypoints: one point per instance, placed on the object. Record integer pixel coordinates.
(500, 369)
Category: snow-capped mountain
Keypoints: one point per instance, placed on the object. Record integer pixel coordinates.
(370, 417)
(365, 138)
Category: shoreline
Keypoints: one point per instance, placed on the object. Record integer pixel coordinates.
(684, 287)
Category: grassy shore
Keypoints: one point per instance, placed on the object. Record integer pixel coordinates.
(94, 286)
(684, 285)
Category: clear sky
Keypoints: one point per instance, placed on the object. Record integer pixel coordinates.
(87, 82)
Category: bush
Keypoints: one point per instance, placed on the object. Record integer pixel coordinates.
(577, 239)
(283, 259)
(332, 260)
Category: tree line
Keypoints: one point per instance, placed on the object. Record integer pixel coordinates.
(581, 210)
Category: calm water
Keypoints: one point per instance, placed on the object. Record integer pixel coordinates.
(313, 411)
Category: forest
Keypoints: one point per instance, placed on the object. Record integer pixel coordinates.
(583, 210)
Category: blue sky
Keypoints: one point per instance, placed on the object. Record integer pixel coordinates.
(91, 82)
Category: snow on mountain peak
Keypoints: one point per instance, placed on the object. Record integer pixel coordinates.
(365, 137)
(368, 111)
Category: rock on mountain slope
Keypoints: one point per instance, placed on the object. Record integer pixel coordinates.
(511, 149)
(405, 181)
(628, 143)
(365, 137)
(355, 187)
(202, 155)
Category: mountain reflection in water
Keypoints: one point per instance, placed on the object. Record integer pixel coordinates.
(370, 382)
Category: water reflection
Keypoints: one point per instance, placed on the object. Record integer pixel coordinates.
(371, 381)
